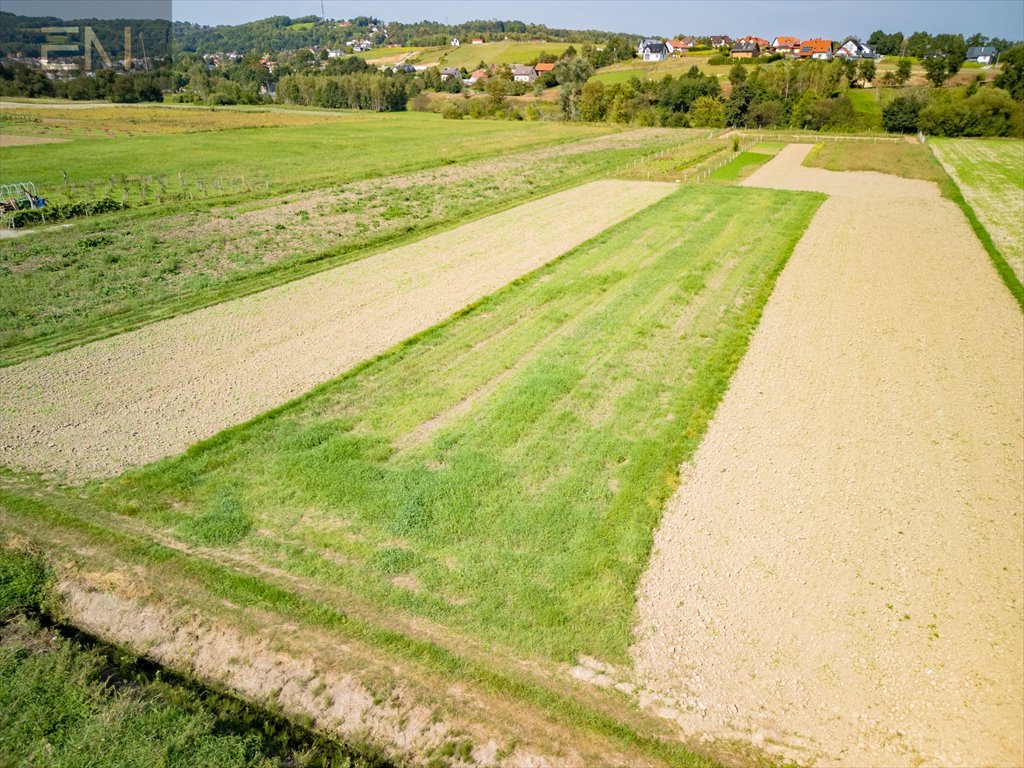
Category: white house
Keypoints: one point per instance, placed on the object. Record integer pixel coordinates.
(852, 49)
(654, 52)
(643, 44)
(455, 42)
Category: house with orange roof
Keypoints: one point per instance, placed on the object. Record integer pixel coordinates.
(676, 46)
(544, 67)
(786, 44)
(815, 49)
(761, 42)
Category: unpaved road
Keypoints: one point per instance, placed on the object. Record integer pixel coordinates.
(97, 410)
(839, 576)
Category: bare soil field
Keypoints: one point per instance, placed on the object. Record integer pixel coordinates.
(99, 409)
(13, 140)
(838, 577)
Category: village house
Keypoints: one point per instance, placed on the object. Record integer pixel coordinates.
(748, 50)
(477, 41)
(450, 72)
(816, 49)
(761, 42)
(853, 49)
(455, 43)
(786, 45)
(654, 52)
(983, 54)
(644, 42)
(523, 73)
(719, 40)
(676, 46)
(544, 67)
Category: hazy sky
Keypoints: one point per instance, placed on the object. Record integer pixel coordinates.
(766, 18)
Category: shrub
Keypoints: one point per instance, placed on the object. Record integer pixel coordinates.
(719, 59)
(831, 114)
(453, 111)
(59, 212)
(901, 114)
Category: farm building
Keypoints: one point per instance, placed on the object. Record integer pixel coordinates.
(477, 41)
(654, 52)
(544, 67)
(523, 73)
(750, 50)
(983, 54)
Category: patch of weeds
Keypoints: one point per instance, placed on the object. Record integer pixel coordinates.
(24, 582)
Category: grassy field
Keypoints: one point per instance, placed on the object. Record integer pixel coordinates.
(503, 474)
(337, 148)
(740, 166)
(64, 285)
(990, 174)
(502, 52)
(655, 70)
(867, 105)
(907, 159)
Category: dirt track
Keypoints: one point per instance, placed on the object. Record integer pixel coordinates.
(840, 570)
(97, 410)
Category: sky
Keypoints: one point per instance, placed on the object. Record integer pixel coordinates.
(665, 18)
